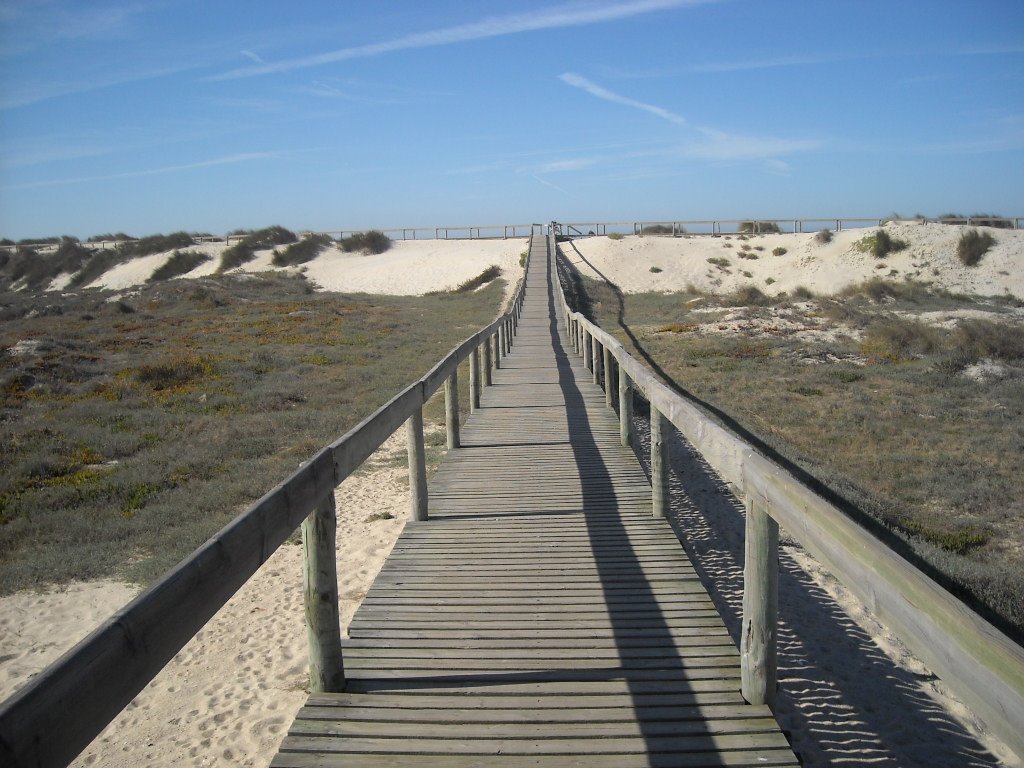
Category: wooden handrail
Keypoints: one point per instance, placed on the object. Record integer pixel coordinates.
(55, 716)
(981, 664)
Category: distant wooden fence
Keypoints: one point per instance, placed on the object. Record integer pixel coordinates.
(718, 227)
(55, 716)
(676, 228)
(981, 664)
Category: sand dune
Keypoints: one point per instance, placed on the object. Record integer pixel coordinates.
(823, 268)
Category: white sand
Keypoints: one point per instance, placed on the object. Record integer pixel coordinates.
(230, 694)
(823, 268)
(408, 268)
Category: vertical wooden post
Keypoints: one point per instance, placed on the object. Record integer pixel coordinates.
(474, 380)
(485, 364)
(496, 339)
(595, 356)
(451, 410)
(323, 629)
(417, 466)
(758, 641)
(587, 361)
(625, 410)
(609, 395)
(659, 463)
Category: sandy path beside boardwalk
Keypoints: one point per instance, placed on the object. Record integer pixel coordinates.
(230, 694)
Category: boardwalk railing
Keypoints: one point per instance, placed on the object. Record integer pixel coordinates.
(54, 717)
(981, 664)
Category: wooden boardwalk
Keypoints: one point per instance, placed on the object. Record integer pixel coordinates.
(542, 616)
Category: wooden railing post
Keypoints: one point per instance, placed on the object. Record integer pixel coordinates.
(417, 466)
(587, 356)
(758, 641)
(609, 396)
(496, 339)
(323, 628)
(659, 463)
(625, 409)
(451, 409)
(485, 363)
(474, 380)
(595, 356)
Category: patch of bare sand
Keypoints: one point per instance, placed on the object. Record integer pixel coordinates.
(228, 697)
(823, 268)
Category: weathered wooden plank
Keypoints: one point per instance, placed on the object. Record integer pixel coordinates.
(542, 614)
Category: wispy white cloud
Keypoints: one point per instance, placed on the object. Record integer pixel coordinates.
(23, 94)
(557, 17)
(547, 183)
(559, 166)
(252, 56)
(715, 144)
(719, 145)
(577, 81)
(33, 25)
(756, 64)
(242, 157)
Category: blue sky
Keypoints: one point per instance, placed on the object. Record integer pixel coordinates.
(157, 115)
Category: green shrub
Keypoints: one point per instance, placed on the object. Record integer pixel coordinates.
(760, 227)
(895, 340)
(656, 269)
(244, 250)
(95, 267)
(780, 251)
(979, 220)
(493, 272)
(181, 263)
(972, 245)
(146, 246)
(975, 339)
(178, 372)
(823, 236)
(374, 241)
(880, 244)
(523, 257)
(802, 292)
(719, 262)
(307, 249)
(661, 229)
(108, 236)
(748, 296)
(615, 235)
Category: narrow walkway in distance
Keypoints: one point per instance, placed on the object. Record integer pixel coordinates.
(542, 616)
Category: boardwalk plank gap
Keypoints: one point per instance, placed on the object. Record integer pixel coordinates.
(541, 615)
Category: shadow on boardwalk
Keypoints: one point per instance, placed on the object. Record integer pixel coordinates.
(842, 700)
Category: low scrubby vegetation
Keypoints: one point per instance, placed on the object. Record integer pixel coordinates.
(245, 249)
(306, 249)
(916, 426)
(980, 220)
(759, 228)
(372, 242)
(146, 246)
(180, 263)
(881, 244)
(132, 431)
(490, 274)
(615, 235)
(972, 245)
(823, 236)
(662, 229)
